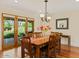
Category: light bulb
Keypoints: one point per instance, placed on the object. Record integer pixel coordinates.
(49, 17)
(41, 15)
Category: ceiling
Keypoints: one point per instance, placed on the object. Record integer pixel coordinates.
(38, 5)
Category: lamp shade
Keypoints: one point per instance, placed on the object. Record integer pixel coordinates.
(41, 15)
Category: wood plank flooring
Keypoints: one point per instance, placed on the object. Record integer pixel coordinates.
(66, 52)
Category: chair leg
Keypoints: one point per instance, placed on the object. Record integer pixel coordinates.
(54, 52)
(59, 50)
(22, 52)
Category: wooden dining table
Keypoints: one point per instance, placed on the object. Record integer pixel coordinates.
(38, 43)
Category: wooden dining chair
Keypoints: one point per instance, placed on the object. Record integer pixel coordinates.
(26, 47)
(53, 45)
(30, 34)
(37, 34)
(58, 33)
(58, 36)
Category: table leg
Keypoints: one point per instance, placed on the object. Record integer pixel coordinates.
(59, 46)
(69, 41)
(37, 52)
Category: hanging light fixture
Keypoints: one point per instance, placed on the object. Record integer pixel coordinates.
(45, 17)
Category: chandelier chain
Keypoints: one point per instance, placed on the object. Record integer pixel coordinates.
(46, 10)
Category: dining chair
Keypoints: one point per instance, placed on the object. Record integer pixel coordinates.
(30, 34)
(58, 36)
(26, 47)
(37, 34)
(57, 33)
(53, 45)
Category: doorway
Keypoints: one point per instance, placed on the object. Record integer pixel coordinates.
(13, 27)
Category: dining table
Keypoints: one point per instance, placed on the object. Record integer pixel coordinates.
(38, 43)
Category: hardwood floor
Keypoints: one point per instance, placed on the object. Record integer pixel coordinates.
(13, 53)
(66, 52)
(69, 52)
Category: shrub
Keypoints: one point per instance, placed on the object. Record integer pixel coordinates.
(9, 35)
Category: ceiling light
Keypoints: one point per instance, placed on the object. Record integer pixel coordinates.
(45, 17)
(15, 1)
(77, 0)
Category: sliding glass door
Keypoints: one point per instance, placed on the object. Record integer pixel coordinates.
(8, 32)
(13, 29)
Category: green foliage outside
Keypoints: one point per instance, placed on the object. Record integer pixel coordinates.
(7, 25)
(21, 30)
(8, 34)
(9, 30)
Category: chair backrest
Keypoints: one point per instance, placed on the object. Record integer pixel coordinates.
(56, 33)
(52, 41)
(55, 37)
(30, 34)
(53, 44)
(37, 34)
(26, 47)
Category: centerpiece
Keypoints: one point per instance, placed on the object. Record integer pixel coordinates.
(45, 29)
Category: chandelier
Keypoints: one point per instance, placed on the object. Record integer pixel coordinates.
(45, 17)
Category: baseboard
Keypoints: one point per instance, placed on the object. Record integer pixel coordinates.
(70, 46)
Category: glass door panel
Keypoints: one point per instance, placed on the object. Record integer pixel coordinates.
(13, 28)
(30, 26)
(8, 32)
(21, 29)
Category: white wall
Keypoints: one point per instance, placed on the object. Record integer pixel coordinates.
(73, 30)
